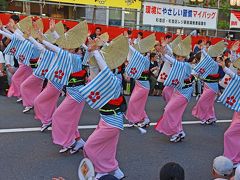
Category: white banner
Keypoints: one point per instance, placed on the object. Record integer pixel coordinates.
(179, 16)
(235, 19)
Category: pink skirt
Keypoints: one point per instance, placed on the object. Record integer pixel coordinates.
(65, 121)
(171, 121)
(232, 139)
(30, 89)
(101, 148)
(167, 93)
(204, 109)
(46, 103)
(136, 106)
(22, 73)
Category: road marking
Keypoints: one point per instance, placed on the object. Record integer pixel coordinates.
(34, 129)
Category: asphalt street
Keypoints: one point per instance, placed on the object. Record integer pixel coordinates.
(33, 156)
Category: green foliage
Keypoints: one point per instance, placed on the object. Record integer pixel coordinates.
(223, 24)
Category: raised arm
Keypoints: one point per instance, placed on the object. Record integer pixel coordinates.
(6, 34)
(6, 30)
(51, 46)
(229, 72)
(169, 59)
(100, 61)
(39, 46)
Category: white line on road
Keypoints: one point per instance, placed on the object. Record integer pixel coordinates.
(34, 129)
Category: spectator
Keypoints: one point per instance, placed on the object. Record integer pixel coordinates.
(154, 70)
(198, 47)
(140, 36)
(222, 168)
(208, 44)
(97, 33)
(168, 39)
(172, 171)
(128, 34)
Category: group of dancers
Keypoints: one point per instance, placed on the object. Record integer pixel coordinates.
(96, 78)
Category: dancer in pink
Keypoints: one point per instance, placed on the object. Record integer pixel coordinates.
(231, 99)
(209, 72)
(170, 123)
(17, 47)
(104, 93)
(138, 68)
(33, 85)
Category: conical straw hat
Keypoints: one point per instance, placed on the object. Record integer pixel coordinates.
(115, 53)
(217, 49)
(59, 28)
(182, 48)
(74, 37)
(103, 38)
(24, 24)
(176, 41)
(237, 63)
(188, 40)
(235, 46)
(40, 27)
(145, 44)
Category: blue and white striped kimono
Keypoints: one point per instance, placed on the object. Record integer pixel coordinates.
(44, 63)
(231, 95)
(13, 46)
(178, 73)
(74, 92)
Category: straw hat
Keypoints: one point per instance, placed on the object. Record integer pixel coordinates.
(101, 40)
(217, 49)
(182, 48)
(176, 41)
(188, 40)
(24, 24)
(74, 37)
(115, 53)
(59, 28)
(235, 46)
(237, 63)
(40, 27)
(145, 44)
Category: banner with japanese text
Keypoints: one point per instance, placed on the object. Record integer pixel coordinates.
(235, 19)
(131, 4)
(179, 16)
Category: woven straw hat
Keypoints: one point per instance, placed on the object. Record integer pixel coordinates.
(217, 49)
(74, 37)
(188, 40)
(145, 44)
(237, 63)
(115, 53)
(176, 41)
(24, 24)
(59, 28)
(235, 46)
(183, 48)
(39, 25)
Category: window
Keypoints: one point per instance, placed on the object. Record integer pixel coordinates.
(115, 16)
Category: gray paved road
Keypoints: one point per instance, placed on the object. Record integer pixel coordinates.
(31, 155)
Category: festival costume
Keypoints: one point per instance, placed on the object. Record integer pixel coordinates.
(180, 78)
(208, 70)
(231, 99)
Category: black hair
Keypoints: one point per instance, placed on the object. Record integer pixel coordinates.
(152, 55)
(129, 32)
(98, 28)
(200, 41)
(66, 27)
(172, 171)
(168, 36)
(108, 177)
(209, 42)
(140, 33)
(15, 18)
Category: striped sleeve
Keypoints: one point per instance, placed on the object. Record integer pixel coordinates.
(231, 95)
(206, 66)
(61, 70)
(25, 52)
(13, 46)
(103, 88)
(176, 76)
(137, 64)
(44, 63)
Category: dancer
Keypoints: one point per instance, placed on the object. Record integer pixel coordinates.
(104, 93)
(170, 123)
(208, 70)
(138, 68)
(231, 99)
(33, 85)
